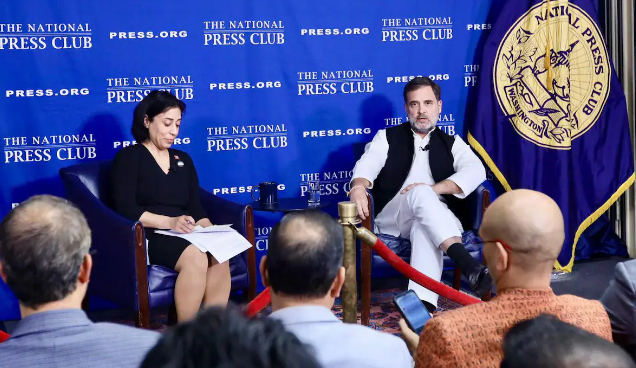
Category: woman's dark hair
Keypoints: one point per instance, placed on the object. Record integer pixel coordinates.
(155, 103)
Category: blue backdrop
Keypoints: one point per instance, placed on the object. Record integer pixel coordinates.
(277, 91)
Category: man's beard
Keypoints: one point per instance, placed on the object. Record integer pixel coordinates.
(420, 128)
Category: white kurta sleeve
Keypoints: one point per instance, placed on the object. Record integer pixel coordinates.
(469, 171)
(373, 159)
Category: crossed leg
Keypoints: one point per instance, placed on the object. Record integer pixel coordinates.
(432, 228)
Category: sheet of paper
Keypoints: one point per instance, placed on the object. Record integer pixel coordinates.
(180, 235)
(214, 229)
(200, 229)
(223, 245)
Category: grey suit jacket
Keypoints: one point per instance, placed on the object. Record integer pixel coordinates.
(620, 302)
(338, 345)
(67, 338)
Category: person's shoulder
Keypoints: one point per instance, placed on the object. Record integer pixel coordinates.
(626, 270)
(128, 333)
(400, 128)
(451, 138)
(588, 314)
(182, 155)
(590, 311)
(580, 303)
(134, 150)
(389, 134)
(370, 334)
(381, 133)
(383, 343)
(462, 317)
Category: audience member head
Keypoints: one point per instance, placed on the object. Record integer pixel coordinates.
(220, 337)
(423, 103)
(523, 234)
(157, 119)
(548, 342)
(44, 254)
(304, 260)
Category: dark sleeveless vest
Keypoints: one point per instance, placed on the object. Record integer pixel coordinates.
(400, 159)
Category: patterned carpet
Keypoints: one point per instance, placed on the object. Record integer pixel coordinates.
(384, 315)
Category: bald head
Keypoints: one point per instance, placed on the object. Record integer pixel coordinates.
(304, 254)
(43, 243)
(530, 222)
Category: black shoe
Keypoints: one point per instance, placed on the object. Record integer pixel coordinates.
(429, 307)
(480, 280)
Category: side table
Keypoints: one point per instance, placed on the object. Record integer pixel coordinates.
(287, 205)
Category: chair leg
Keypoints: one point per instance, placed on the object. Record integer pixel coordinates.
(251, 257)
(366, 284)
(251, 253)
(172, 315)
(457, 279)
(142, 318)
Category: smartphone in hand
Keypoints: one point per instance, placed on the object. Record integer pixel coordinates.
(412, 310)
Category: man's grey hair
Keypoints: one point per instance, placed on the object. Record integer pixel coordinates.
(43, 243)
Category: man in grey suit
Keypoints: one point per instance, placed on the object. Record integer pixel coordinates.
(304, 269)
(44, 245)
(619, 300)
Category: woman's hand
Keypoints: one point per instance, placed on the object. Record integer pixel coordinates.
(204, 222)
(182, 224)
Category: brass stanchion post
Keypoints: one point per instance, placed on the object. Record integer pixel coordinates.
(348, 218)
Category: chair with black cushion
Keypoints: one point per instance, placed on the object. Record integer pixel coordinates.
(374, 267)
(120, 271)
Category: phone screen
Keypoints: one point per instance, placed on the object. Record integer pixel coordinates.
(413, 310)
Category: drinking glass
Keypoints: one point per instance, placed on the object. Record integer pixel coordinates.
(313, 190)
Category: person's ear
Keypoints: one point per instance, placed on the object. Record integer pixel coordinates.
(503, 259)
(146, 121)
(263, 269)
(336, 285)
(85, 269)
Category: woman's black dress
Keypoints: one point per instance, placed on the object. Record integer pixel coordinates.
(138, 184)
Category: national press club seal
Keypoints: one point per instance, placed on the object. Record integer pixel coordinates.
(552, 102)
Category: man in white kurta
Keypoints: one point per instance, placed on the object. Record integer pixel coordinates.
(418, 211)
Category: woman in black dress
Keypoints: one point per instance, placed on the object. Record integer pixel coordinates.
(159, 186)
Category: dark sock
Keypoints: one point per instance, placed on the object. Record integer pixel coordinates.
(460, 256)
(430, 307)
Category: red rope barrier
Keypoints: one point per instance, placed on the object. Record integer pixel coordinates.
(433, 285)
(3, 337)
(259, 303)
(263, 299)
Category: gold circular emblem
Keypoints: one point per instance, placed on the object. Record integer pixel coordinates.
(552, 102)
